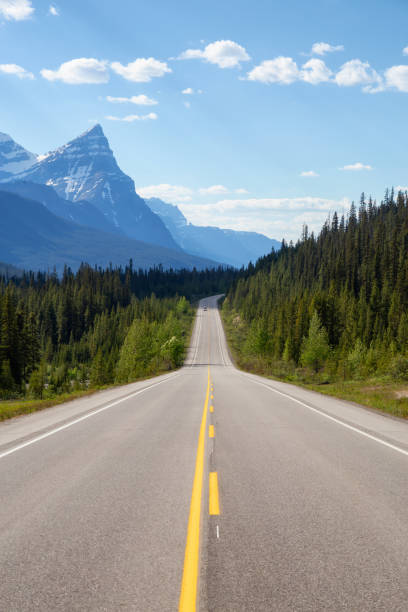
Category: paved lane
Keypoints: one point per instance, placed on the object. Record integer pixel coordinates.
(302, 503)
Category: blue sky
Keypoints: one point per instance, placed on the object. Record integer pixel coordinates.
(273, 129)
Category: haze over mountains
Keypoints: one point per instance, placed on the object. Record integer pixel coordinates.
(232, 247)
(96, 204)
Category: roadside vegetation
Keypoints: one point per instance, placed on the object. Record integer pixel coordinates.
(61, 338)
(331, 312)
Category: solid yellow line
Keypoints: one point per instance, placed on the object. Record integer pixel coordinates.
(214, 498)
(188, 594)
(211, 431)
(211, 408)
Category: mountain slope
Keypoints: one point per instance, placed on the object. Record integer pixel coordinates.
(232, 247)
(13, 157)
(33, 238)
(81, 212)
(86, 169)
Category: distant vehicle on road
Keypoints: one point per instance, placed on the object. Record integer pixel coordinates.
(205, 307)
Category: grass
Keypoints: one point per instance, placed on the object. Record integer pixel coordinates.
(379, 393)
(12, 408)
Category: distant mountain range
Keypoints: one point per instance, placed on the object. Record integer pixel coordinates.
(231, 247)
(33, 238)
(96, 215)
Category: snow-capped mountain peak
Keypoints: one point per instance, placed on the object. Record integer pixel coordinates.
(85, 169)
(13, 157)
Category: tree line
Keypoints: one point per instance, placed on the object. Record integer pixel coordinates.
(96, 326)
(335, 303)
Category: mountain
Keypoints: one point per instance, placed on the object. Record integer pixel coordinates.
(33, 238)
(232, 247)
(85, 169)
(9, 271)
(81, 212)
(13, 157)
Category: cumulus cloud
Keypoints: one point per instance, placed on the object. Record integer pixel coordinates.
(167, 192)
(241, 191)
(397, 77)
(223, 53)
(309, 173)
(405, 51)
(285, 70)
(279, 70)
(213, 190)
(315, 71)
(132, 118)
(356, 167)
(140, 100)
(79, 71)
(16, 70)
(141, 70)
(188, 91)
(53, 11)
(356, 72)
(16, 10)
(321, 48)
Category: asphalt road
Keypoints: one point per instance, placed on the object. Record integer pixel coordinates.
(123, 501)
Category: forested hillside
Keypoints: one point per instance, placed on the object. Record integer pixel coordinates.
(96, 327)
(334, 304)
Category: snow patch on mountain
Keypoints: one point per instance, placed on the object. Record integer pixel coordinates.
(13, 157)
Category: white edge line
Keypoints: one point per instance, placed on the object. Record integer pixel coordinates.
(82, 418)
(331, 418)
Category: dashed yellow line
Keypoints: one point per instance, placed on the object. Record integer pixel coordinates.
(211, 431)
(188, 594)
(211, 408)
(212, 397)
(214, 505)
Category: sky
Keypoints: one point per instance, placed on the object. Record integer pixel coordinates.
(260, 115)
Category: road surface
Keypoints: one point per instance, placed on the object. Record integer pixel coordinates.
(123, 501)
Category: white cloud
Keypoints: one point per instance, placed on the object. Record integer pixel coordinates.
(79, 71)
(321, 48)
(165, 191)
(309, 173)
(241, 191)
(400, 188)
(275, 217)
(188, 91)
(140, 100)
(53, 11)
(285, 70)
(223, 53)
(16, 10)
(16, 70)
(132, 118)
(315, 71)
(357, 166)
(356, 72)
(405, 51)
(397, 76)
(279, 70)
(213, 190)
(142, 70)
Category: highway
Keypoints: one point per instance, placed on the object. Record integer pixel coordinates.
(204, 489)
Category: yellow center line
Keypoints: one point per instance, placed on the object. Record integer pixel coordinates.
(211, 408)
(214, 497)
(211, 431)
(188, 594)
(212, 397)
